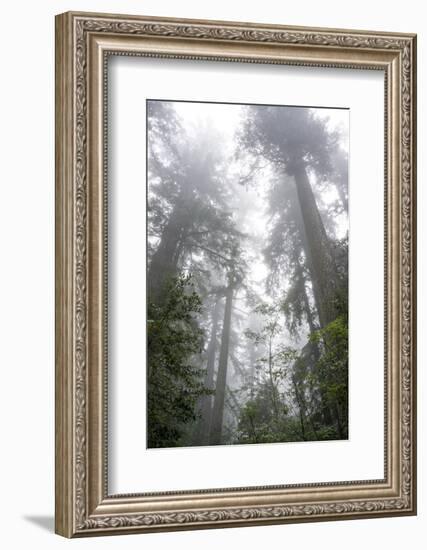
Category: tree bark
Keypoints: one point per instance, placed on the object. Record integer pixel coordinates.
(307, 251)
(273, 388)
(164, 262)
(202, 436)
(338, 422)
(252, 363)
(301, 407)
(307, 309)
(321, 260)
(221, 379)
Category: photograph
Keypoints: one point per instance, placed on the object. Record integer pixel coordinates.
(247, 273)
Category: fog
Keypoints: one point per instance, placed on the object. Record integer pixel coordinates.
(247, 273)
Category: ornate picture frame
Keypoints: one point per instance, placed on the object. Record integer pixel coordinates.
(84, 43)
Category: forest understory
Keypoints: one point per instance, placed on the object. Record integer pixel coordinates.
(247, 274)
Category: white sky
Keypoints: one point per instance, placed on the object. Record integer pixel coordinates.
(225, 117)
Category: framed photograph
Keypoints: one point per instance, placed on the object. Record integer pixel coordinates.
(235, 274)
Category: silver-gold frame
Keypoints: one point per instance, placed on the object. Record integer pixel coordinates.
(83, 43)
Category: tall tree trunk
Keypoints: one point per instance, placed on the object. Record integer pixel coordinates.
(307, 309)
(164, 262)
(338, 421)
(319, 250)
(252, 362)
(315, 354)
(307, 252)
(301, 407)
(205, 406)
(221, 379)
(273, 388)
(313, 235)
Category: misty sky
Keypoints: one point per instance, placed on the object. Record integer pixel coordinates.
(250, 202)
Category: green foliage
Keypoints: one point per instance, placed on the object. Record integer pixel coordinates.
(174, 379)
(298, 395)
(295, 305)
(331, 372)
(260, 423)
(266, 416)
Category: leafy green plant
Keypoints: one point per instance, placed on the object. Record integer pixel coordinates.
(331, 372)
(175, 381)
